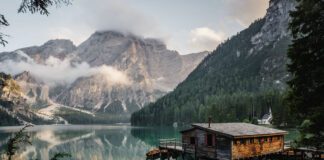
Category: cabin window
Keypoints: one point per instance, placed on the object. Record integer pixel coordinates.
(265, 139)
(251, 141)
(192, 140)
(209, 139)
(270, 139)
(242, 141)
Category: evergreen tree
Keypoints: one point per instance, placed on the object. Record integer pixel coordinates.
(307, 69)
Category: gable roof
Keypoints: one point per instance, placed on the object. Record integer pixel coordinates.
(239, 130)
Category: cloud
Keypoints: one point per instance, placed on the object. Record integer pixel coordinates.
(117, 15)
(77, 35)
(55, 71)
(245, 12)
(102, 15)
(204, 38)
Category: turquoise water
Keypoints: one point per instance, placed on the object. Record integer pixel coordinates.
(97, 142)
(92, 142)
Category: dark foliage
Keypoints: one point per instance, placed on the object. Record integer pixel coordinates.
(7, 120)
(306, 87)
(14, 143)
(40, 6)
(20, 139)
(225, 86)
(60, 155)
(76, 117)
(3, 22)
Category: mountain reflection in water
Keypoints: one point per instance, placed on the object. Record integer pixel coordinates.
(96, 142)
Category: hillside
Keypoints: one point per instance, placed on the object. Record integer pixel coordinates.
(14, 108)
(239, 81)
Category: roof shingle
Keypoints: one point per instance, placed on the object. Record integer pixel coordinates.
(238, 129)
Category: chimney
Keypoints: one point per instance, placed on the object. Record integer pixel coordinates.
(209, 121)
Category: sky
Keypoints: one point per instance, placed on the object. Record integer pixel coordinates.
(187, 26)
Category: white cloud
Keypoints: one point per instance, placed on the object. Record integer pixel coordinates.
(77, 35)
(56, 71)
(102, 15)
(245, 12)
(117, 15)
(204, 38)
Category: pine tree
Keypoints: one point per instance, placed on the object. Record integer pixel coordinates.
(307, 69)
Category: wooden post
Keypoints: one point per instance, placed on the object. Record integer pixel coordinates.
(196, 141)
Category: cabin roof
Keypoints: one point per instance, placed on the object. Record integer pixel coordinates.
(239, 130)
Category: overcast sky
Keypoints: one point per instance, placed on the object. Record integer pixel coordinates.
(187, 26)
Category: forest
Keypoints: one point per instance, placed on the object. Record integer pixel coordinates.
(230, 85)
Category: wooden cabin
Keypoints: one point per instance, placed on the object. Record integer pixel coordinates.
(231, 140)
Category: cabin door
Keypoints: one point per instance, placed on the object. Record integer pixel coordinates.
(223, 147)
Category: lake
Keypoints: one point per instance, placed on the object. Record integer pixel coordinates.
(91, 142)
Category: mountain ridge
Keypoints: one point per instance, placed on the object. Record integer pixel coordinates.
(106, 57)
(240, 80)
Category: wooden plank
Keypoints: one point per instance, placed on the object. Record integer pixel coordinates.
(259, 147)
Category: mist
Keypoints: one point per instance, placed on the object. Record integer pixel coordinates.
(55, 71)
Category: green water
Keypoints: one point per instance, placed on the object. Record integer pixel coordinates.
(96, 142)
(85, 142)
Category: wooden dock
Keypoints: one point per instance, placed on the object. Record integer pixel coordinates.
(171, 144)
(167, 148)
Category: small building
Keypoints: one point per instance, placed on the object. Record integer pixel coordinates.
(266, 119)
(231, 140)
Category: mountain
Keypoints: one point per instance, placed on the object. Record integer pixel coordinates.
(104, 79)
(14, 108)
(239, 81)
(59, 48)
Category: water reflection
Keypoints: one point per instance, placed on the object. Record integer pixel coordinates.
(152, 135)
(88, 142)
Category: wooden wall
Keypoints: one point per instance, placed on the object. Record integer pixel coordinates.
(260, 146)
(221, 146)
(198, 134)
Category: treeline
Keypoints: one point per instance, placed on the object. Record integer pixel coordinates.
(230, 85)
(237, 107)
(76, 117)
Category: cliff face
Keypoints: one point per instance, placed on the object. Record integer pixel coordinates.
(114, 73)
(151, 68)
(14, 106)
(274, 33)
(36, 92)
(276, 24)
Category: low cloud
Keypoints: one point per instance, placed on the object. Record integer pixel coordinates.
(247, 11)
(204, 38)
(55, 71)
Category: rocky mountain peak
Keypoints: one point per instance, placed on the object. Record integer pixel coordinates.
(276, 23)
(58, 48)
(150, 68)
(155, 43)
(120, 50)
(66, 43)
(102, 36)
